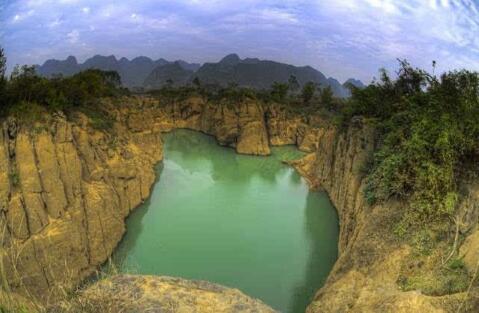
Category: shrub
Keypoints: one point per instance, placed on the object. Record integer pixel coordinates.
(428, 130)
(25, 88)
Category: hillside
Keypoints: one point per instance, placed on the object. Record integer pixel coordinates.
(132, 72)
(261, 74)
(173, 72)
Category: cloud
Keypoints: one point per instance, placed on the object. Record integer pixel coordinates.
(73, 36)
(279, 16)
(55, 23)
(342, 38)
(18, 17)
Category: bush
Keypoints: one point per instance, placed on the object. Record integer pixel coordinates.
(428, 130)
(25, 88)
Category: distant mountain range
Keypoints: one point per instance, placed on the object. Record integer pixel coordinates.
(176, 72)
(132, 72)
(250, 72)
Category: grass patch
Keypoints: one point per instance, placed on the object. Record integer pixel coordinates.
(425, 269)
(441, 282)
(29, 113)
(99, 119)
(15, 178)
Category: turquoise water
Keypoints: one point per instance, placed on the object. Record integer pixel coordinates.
(240, 221)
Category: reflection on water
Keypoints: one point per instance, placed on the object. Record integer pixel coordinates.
(241, 221)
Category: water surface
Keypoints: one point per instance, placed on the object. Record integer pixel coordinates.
(240, 221)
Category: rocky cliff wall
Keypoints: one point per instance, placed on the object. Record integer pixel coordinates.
(65, 190)
(365, 277)
(247, 126)
(371, 258)
(66, 187)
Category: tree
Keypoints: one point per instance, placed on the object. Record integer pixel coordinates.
(26, 85)
(427, 138)
(308, 92)
(293, 84)
(326, 98)
(111, 78)
(196, 82)
(279, 91)
(3, 65)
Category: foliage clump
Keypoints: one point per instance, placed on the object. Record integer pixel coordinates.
(24, 91)
(428, 134)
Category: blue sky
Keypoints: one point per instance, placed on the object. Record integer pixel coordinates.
(340, 38)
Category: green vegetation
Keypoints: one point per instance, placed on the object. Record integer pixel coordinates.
(310, 99)
(27, 95)
(308, 92)
(279, 91)
(428, 130)
(326, 98)
(15, 178)
(438, 283)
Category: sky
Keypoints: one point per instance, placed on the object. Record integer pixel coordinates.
(340, 38)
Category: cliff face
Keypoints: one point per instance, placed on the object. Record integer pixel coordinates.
(241, 127)
(65, 191)
(365, 276)
(66, 188)
(247, 126)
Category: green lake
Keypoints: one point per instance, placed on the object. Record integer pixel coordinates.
(241, 221)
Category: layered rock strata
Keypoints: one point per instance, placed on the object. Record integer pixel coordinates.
(65, 190)
(365, 276)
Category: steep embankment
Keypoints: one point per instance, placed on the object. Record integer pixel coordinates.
(247, 126)
(66, 189)
(365, 277)
(372, 259)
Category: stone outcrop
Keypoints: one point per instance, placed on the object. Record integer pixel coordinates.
(365, 276)
(65, 190)
(239, 126)
(127, 293)
(247, 126)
